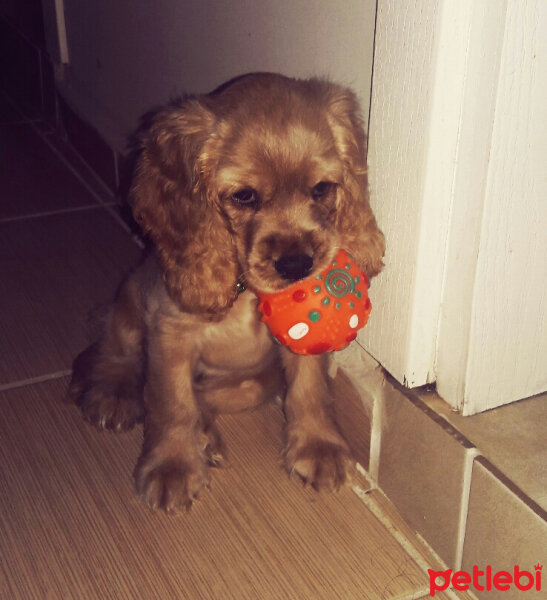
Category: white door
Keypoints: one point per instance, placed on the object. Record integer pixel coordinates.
(458, 170)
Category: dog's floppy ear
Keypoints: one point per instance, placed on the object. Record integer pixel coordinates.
(355, 221)
(171, 202)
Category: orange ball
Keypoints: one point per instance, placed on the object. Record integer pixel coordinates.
(321, 313)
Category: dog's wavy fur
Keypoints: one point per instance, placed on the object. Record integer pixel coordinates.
(227, 186)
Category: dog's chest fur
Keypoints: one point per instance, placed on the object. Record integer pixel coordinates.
(240, 342)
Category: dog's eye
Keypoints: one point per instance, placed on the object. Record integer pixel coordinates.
(246, 197)
(322, 189)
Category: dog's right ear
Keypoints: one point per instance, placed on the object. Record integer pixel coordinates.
(173, 137)
(168, 145)
(172, 204)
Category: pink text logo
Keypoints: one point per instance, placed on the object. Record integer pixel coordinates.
(485, 580)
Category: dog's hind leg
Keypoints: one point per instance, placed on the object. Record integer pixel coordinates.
(107, 377)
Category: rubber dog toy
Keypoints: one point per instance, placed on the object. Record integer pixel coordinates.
(321, 313)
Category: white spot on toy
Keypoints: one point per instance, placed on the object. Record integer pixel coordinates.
(354, 321)
(298, 331)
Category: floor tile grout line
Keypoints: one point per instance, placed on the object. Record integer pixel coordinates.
(106, 205)
(49, 213)
(24, 119)
(4, 387)
(416, 595)
(376, 429)
(44, 135)
(403, 541)
(449, 592)
(453, 596)
(22, 122)
(467, 479)
(104, 187)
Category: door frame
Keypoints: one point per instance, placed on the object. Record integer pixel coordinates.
(435, 85)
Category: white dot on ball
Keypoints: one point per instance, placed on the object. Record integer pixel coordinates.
(298, 331)
(354, 321)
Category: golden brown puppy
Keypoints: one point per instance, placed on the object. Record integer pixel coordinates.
(259, 183)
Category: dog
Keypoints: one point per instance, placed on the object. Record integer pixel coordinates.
(255, 185)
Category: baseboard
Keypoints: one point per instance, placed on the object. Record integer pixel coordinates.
(452, 495)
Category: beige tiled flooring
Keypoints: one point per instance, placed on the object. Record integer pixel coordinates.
(503, 529)
(71, 526)
(422, 470)
(512, 437)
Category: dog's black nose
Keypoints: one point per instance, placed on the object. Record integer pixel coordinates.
(294, 266)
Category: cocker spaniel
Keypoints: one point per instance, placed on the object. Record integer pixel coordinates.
(258, 183)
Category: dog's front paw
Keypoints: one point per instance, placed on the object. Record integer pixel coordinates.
(324, 465)
(171, 485)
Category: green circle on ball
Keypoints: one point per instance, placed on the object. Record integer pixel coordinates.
(314, 316)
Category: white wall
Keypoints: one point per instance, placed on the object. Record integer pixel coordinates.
(128, 56)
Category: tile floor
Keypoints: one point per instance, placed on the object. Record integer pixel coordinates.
(71, 524)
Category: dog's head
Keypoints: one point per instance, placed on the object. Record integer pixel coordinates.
(263, 180)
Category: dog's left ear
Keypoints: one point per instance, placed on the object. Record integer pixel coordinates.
(355, 221)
